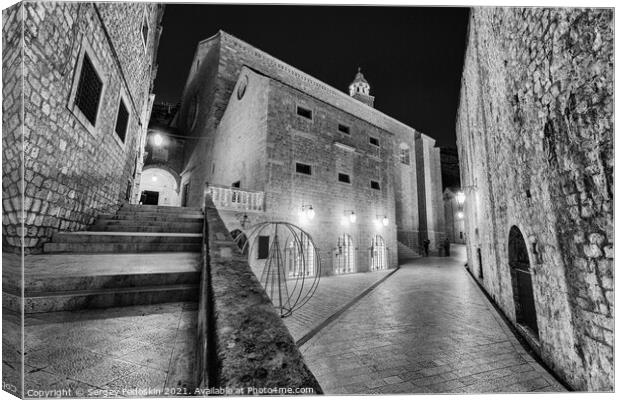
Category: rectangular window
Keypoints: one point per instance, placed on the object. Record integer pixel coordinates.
(236, 184)
(88, 92)
(263, 247)
(304, 112)
(375, 185)
(121, 121)
(344, 129)
(344, 178)
(305, 169)
(373, 140)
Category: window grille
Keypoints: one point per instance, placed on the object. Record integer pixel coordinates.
(121, 121)
(88, 92)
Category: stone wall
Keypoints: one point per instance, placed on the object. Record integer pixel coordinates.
(250, 347)
(72, 169)
(535, 138)
(12, 125)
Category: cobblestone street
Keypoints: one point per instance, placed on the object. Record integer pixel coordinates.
(427, 329)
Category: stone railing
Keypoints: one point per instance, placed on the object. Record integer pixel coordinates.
(242, 343)
(231, 198)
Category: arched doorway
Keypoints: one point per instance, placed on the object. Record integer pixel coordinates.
(159, 187)
(520, 272)
(300, 258)
(378, 253)
(344, 256)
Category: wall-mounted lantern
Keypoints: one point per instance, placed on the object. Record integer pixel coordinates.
(351, 216)
(307, 211)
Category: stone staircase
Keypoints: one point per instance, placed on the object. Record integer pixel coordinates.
(406, 253)
(141, 255)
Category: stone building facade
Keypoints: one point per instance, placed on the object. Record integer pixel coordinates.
(454, 216)
(289, 142)
(535, 139)
(85, 71)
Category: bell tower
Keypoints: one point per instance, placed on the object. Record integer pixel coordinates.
(359, 89)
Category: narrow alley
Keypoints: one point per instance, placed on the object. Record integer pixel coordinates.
(427, 329)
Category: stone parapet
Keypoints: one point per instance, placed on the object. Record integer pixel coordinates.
(243, 343)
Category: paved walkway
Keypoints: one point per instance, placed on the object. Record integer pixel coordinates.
(332, 294)
(138, 347)
(426, 329)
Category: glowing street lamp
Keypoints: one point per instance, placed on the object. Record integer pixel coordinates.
(158, 139)
(460, 215)
(460, 198)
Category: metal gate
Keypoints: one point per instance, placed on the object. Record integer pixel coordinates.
(344, 256)
(378, 253)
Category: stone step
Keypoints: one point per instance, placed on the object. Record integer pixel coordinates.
(146, 214)
(111, 297)
(61, 282)
(138, 207)
(406, 253)
(153, 217)
(126, 237)
(130, 226)
(122, 247)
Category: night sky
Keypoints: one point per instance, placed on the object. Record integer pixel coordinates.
(411, 56)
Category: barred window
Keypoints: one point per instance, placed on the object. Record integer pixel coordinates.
(405, 157)
(344, 178)
(88, 92)
(121, 121)
(305, 169)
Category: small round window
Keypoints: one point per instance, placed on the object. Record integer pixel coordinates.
(243, 84)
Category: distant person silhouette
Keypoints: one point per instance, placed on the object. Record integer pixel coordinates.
(426, 244)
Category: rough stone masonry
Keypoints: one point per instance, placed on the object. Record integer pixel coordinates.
(535, 137)
(73, 169)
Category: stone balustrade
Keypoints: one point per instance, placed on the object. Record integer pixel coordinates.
(231, 198)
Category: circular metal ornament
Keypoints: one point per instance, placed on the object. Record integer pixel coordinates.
(286, 262)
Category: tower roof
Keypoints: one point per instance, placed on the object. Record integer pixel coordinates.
(359, 77)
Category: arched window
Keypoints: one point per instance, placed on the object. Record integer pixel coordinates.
(405, 157)
(344, 255)
(378, 253)
(300, 259)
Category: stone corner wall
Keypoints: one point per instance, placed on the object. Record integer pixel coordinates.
(251, 346)
(535, 137)
(12, 126)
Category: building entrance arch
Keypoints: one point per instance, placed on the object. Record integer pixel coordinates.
(344, 255)
(521, 275)
(159, 187)
(378, 253)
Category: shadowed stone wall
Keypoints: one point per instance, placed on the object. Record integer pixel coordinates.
(535, 139)
(74, 169)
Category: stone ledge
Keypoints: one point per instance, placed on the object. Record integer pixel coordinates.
(249, 345)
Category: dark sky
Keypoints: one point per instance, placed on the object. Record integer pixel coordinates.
(411, 56)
